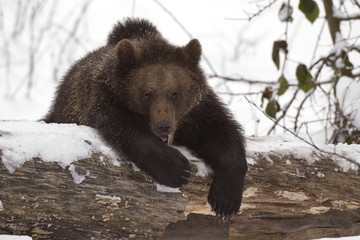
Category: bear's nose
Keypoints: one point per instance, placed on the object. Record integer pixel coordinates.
(164, 127)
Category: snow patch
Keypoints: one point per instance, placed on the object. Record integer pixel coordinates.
(285, 12)
(163, 188)
(15, 237)
(286, 144)
(202, 169)
(320, 175)
(288, 162)
(78, 178)
(59, 143)
(340, 45)
(250, 160)
(112, 198)
(67, 143)
(1, 206)
(337, 13)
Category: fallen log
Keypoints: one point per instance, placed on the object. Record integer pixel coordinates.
(286, 197)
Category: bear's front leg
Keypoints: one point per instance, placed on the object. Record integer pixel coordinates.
(131, 135)
(213, 135)
(226, 190)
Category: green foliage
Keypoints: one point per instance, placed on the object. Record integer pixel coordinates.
(272, 108)
(310, 9)
(348, 64)
(278, 45)
(304, 78)
(284, 85)
(338, 63)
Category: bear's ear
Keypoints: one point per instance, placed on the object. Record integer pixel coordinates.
(192, 52)
(126, 54)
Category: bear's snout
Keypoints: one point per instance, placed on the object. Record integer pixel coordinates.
(163, 127)
(164, 131)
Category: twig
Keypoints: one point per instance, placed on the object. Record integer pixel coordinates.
(239, 94)
(318, 41)
(249, 81)
(185, 30)
(70, 37)
(349, 18)
(276, 122)
(302, 139)
(255, 14)
(286, 40)
(241, 79)
(356, 3)
(300, 108)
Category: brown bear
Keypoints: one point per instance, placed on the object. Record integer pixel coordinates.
(142, 94)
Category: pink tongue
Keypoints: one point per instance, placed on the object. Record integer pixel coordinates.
(165, 138)
(169, 139)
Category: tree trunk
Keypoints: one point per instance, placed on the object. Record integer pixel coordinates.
(333, 23)
(281, 201)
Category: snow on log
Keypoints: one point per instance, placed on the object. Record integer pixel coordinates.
(61, 181)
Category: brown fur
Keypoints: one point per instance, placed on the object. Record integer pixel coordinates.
(140, 91)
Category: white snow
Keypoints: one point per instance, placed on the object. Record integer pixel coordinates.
(112, 198)
(340, 45)
(349, 97)
(163, 188)
(61, 143)
(341, 15)
(343, 238)
(14, 237)
(337, 13)
(287, 144)
(234, 48)
(202, 169)
(320, 175)
(285, 12)
(65, 144)
(78, 178)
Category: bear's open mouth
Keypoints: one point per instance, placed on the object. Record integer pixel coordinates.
(165, 138)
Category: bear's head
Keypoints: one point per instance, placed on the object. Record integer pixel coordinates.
(158, 81)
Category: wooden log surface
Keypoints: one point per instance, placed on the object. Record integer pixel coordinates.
(281, 201)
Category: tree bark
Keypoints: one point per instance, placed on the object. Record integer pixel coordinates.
(281, 201)
(333, 23)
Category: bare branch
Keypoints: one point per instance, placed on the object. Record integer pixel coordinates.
(318, 41)
(186, 31)
(241, 79)
(250, 17)
(70, 37)
(356, 3)
(333, 23)
(276, 122)
(302, 139)
(239, 94)
(301, 107)
(348, 18)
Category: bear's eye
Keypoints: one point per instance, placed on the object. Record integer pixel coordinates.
(147, 97)
(175, 96)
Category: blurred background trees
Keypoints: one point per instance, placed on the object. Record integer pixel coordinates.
(312, 86)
